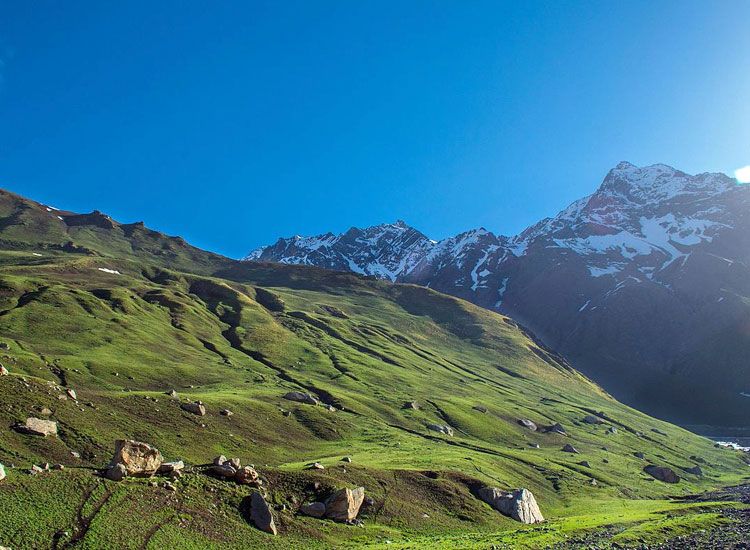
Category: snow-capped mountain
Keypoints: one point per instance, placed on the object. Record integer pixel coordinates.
(644, 284)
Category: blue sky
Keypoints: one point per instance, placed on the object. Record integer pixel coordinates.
(233, 123)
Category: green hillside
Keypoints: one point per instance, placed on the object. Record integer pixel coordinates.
(123, 315)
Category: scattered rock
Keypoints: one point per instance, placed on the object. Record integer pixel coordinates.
(260, 513)
(592, 481)
(195, 407)
(138, 458)
(481, 408)
(612, 430)
(37, 426)
(314, 509)
(223, 470)
(639, 454)
(301, 397)
(662, 473)
(118, 472)
(591, 419)
(3, 371)
(45, 412)
(344, 504)
(443, 429)
(225, 412)
(410, 405)
(219, 460)
(2, 472)
(556, 428)
(570, 449)
(72, 394)
(585, 463)
(234, 463)
(695, 470)
(316, 466)
(246, 476)
(172, 394)
(168, 467)
(519, 504)
(58, 467)
(534, 445)
(346, 459)
(526, 423)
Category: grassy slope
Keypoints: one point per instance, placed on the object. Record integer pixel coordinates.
(181, 318)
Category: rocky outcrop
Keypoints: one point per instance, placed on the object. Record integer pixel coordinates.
(662, 473)
(441, 428)
(344, 504)
(518, 504)
(301, 397)
(37, 426)
(260, 514)
(138, 458)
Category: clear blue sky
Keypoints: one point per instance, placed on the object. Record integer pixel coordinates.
(233, 123)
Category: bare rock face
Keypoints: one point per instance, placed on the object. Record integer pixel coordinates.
(314, 509)
(519, 504)
(528, 424)
(260, 513)
(139, 459)
(196, 407)
(37, 426)
(662, 473)
(301, 397)
(344, 504)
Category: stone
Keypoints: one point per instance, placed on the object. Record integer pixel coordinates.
(612, 430)
(219, 460)
(695, 470)
(138, 458)
(410, 405)
(301, 397)
(557, 428)
(534, 445)
(234, 463)
(225, 412)
(172, 394)
(223, 470)
(592, 481)
(639, 455)
(168, 467)
(570, 449)
(316, 466)
(2, 472)
(314, 509)
(447, 430)
(246, 476)
(346, 459)
(344, 504)
(662, 473)
(591, 419)
(37, 426)
(118, 472)
(195, 407)
(3, 371)
(480, 408)
(526, 423)
(45, 412)
(72, 394)
(260, 513)
(518, 504)
(585, 463)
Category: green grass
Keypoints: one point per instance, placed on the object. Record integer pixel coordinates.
(239, 336)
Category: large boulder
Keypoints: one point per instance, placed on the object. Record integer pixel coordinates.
(662, 473)
(195, 407)
(139, 459)
(344, 504)
(37, 426)
(519, 504)
(314, 509)
(260, 513)
(301, 397)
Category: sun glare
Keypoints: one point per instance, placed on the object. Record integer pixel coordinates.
(743, 174)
